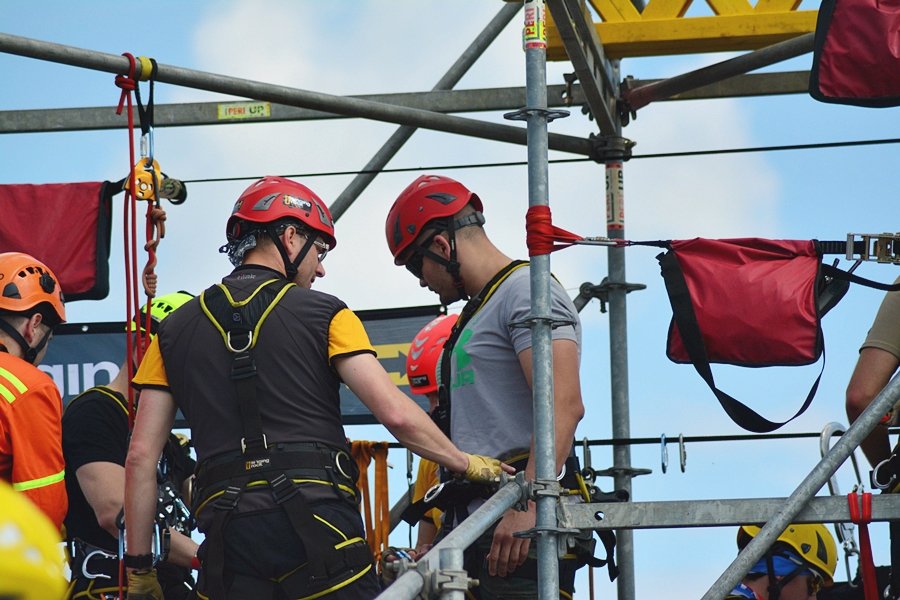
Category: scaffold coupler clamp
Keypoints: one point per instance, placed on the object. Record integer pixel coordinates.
(610, 148)
(439, 581)
(548, 114)
(601, 291)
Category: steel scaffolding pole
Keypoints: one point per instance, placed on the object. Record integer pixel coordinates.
(808, 488)
(463, 535)
(246, 88)
(400, 137)
(639, 97)
(537, 117)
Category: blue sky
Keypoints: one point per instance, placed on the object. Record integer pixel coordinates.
(364, 46)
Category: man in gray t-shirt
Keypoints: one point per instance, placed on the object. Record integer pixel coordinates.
(435, 230)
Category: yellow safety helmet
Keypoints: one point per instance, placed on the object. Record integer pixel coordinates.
(813, 543)
(31, 556)
(161, 307)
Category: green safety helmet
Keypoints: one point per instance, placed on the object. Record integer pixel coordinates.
(813, 543)
(161, 307)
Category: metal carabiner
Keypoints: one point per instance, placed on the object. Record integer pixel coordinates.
(682, 452)
(664, 452)
(433, 492)
(84, 565)
(844, 531)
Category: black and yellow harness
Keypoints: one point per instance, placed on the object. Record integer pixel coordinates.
(287, 469)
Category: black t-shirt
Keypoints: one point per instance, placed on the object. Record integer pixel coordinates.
(95, 429)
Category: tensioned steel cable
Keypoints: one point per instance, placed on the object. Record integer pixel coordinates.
(686, 153)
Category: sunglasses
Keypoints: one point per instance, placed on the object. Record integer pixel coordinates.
(415, 262)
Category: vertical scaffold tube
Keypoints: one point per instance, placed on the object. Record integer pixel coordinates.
(534, 41)
(618, 352)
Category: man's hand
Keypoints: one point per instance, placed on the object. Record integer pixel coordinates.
(484, 469)
(507, 552)
(143, 585)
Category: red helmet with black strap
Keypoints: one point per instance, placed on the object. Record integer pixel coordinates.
(275, 201)
(272, 199)
(28, 286)
(429, 203)
(428, 198)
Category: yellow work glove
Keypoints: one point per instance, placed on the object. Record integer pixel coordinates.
(482, 469)
(143, 585)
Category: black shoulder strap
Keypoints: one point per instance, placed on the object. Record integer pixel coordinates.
(837, 273)
(239, 322)
(441, 414)
(686, 320)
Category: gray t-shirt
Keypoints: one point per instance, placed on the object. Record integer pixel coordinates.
(491, 405)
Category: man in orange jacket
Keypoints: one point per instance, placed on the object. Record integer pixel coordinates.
(31, 458)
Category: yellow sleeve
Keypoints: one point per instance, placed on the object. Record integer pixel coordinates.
(426, 478)
(152, 371)
(346, 336)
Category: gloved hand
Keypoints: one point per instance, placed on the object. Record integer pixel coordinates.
(484, 469)
(143, 585)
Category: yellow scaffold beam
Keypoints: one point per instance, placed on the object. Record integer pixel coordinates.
(662, 28)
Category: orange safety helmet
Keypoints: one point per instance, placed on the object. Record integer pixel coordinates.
(427, 198)
(28, 286)
(273, 199)
(424, 353)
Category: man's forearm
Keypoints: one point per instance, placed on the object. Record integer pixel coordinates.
(140, 506)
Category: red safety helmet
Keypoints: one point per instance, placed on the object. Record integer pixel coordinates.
(28, 285)
(424, 352)
(275, 198)
(427, 198)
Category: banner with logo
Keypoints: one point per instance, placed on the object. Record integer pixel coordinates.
(83, 355)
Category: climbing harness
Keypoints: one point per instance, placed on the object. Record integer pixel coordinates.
(222, 479)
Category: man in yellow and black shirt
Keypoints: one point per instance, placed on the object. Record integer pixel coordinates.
(255, 364)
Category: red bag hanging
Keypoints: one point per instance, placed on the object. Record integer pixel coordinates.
(748, 302)
(752, 302)
(856, 59)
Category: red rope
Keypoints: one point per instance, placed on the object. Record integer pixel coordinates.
(863, 517)
(542, 236)
(133, 339)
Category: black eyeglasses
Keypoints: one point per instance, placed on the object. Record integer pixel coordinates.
(415, 261)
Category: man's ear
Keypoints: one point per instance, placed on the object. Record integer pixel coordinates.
(442, 244)
(31, 327)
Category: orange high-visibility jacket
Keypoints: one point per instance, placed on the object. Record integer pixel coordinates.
(31, 456)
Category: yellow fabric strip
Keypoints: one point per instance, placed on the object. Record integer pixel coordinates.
(17, 383)
(39, 483)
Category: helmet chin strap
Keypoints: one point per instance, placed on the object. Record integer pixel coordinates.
(28, 353)
(290, 266)
(453, 265)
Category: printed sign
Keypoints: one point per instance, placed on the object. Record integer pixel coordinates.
(83, 355)
(230, 111)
